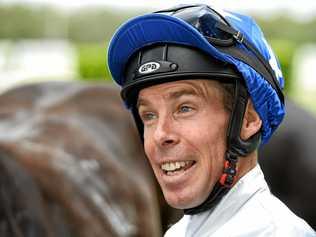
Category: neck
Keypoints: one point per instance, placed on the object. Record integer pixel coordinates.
(245, 164)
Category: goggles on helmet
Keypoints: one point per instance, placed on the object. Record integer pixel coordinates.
(218, 32)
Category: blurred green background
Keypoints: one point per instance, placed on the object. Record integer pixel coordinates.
(87, 32)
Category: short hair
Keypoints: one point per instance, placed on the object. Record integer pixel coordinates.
(228, 95)
(227, 90)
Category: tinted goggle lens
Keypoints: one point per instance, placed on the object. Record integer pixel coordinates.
(202, 18)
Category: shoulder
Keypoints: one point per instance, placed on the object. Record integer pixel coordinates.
(278, 218)
(265, 216)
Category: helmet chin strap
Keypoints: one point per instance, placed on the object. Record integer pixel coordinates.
(236, 147)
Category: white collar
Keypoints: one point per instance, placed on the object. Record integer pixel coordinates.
(240, 193)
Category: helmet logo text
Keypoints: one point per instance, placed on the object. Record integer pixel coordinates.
(148, 67)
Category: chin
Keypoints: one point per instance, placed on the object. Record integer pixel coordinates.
(185, 200)
(178, 205)
(179, 202)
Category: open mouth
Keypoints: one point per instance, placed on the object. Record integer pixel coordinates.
(174, 168)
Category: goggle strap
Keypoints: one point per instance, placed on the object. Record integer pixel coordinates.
(178, 8)
(242, 40)
(264, 62)
(252, 62)
(228, 29)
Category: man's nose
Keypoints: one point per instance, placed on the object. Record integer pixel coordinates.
(165, 132)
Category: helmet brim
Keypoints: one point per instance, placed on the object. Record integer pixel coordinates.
(150, 29)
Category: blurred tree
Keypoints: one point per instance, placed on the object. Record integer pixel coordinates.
(92, 62)
(286, 27)
(285, 50)
(18, 21)
(91, 27)
(96, 25)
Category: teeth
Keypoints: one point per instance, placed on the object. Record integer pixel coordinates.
(172, 166)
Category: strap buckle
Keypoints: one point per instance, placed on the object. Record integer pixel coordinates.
(228, 177)
(239, 37)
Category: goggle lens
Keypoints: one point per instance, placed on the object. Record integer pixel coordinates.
(202, 18)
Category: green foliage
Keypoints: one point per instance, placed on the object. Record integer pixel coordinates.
(286, 27)
(92, 62)
(95, 25)
(99, 23)
(82, 25)
(90, 25)
(285, 50)
(18, 21)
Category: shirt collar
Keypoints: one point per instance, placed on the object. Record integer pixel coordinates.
(251, 183)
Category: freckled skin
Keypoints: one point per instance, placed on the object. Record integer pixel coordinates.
(185, 120)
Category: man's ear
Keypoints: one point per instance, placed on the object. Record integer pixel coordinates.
(251, 122)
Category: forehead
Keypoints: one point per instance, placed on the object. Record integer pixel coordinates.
(176, 89)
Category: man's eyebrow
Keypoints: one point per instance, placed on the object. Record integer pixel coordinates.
(171, 95)
(141, 102)
(182, 92)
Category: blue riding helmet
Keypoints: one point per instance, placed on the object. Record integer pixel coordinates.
(231, 38)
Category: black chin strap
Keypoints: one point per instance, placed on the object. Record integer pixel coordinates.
(220, 189)
(212, 200)
(236, 148)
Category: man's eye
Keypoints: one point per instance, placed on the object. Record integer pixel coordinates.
(185, 109)
(148, 116)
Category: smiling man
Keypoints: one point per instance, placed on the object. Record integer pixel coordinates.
(205, 90)
(185, 124)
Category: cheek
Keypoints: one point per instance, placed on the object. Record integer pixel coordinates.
(208, 137)
(207, 132)
(147, 139)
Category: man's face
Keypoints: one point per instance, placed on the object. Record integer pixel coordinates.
(185, 125)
